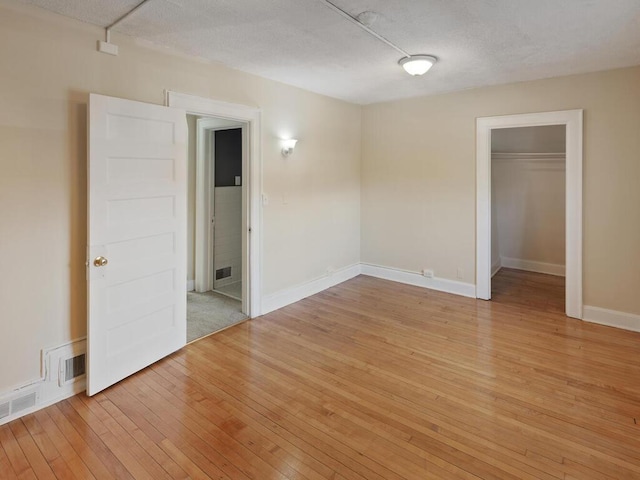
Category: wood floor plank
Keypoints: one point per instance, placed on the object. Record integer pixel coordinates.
(73, 446)
(146, 444)
(171, 371)
(245, 407)
(156, 428)
(185, 462)
(20, 464)
(244, 433)
(250, 413)
(235, 452)
(320, 412)
(580, 433)
(368, 380)
(170, 423)
(112, 444)
(138, 459)
(103, 462)
(286, 415)
(66, 451)
(292, 361)
(47, 447)
(7, 448)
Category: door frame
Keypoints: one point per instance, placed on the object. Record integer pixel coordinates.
(252, 186)
(204, 198)
(573, 121)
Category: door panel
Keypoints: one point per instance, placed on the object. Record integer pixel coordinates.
(137, 221)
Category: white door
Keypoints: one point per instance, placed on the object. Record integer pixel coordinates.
(137, 225)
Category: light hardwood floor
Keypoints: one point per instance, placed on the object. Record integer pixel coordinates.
(367, 380)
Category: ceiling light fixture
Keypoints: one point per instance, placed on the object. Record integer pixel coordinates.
(413, 64)
(417, 64)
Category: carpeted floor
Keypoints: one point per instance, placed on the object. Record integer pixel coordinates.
(210, 312)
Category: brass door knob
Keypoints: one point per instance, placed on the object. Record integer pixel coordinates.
(100, 261)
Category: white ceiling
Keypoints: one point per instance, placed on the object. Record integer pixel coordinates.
(306, 44)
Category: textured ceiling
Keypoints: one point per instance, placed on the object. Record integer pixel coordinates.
(306, 44)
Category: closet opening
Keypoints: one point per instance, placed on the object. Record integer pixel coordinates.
(528, 222)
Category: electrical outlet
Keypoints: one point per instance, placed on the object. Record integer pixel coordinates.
(427, 273)
(460, 274)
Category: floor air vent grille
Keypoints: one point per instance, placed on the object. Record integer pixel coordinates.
(223, 273)
(74, 367)
(24, 402)
(5, 409)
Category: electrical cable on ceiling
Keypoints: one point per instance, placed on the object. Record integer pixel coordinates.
(108, 47)
(357, 22)
(413, 64)
(122, 18)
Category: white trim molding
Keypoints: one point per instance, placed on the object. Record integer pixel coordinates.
(291, 295)
(417, 279)
(612, 318)
(496, 267)
(50, 388)
(191, 285)
(252, 213)
(533, 266)
(204, 206)
(572, 119)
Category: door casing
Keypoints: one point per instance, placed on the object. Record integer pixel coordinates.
(204, 198)
(572, 120)
(252, 186)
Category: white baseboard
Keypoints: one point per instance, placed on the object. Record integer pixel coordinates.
(415, 278)
(42, 401)
(47, 390)
(533, 266)
(495, 268)
(291, 295)
(191, 285)
(612, 318)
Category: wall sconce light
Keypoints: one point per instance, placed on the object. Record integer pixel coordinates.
(288, 146)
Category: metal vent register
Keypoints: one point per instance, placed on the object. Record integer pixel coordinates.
(223, 273)
(72, 368)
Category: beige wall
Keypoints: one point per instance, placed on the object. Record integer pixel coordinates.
(529, 215)
(49, 66)
(418, 178)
